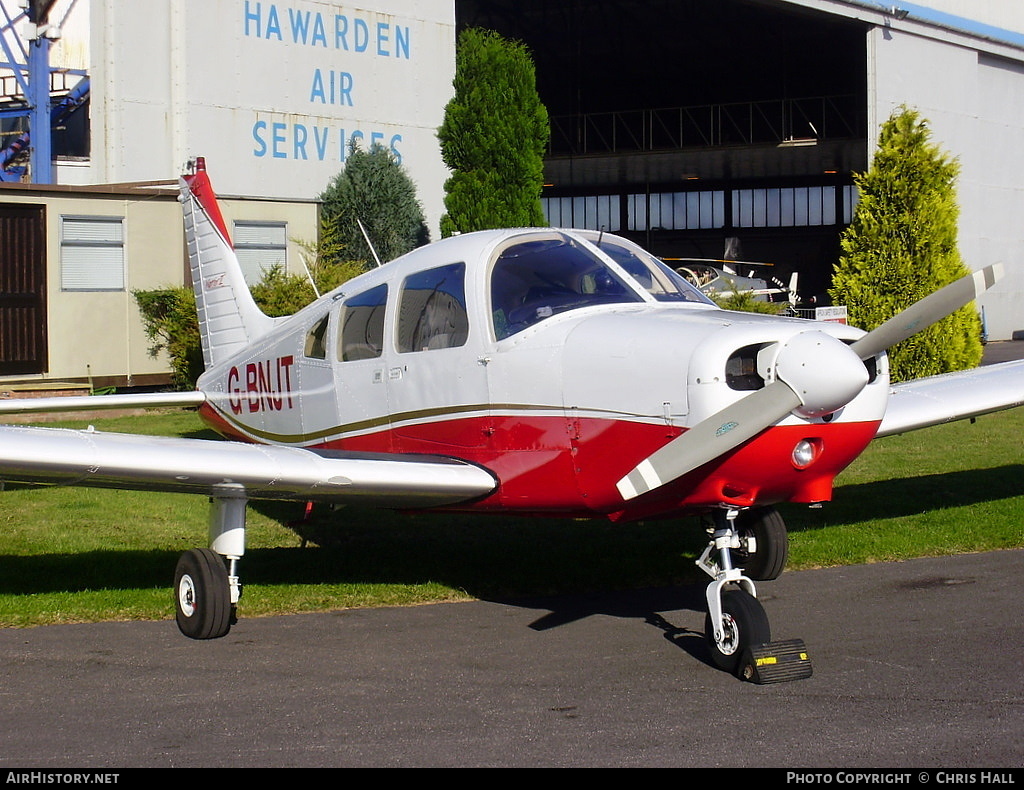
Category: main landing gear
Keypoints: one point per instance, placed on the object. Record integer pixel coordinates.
(206, 585)
(747, 545)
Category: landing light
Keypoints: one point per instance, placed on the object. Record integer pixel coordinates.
(805, 452)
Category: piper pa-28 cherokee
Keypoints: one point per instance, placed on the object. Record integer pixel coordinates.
(533, 370)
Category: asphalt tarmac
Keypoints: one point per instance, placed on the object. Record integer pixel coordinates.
(915, 665)
(1002, 351)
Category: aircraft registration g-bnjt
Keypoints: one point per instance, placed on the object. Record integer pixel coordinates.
(533, 370)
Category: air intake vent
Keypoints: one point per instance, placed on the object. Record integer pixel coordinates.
(741, 369)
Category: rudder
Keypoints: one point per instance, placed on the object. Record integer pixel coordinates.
(229, 319)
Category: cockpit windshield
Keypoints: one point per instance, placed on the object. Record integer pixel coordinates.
(658, 279)
(536, 278)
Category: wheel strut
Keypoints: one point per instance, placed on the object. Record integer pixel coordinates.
(227, 530)
(716, 561)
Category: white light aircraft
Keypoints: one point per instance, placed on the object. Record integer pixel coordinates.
(726, 281)
(536, 370)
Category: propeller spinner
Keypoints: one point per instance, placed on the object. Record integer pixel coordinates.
(811, 373)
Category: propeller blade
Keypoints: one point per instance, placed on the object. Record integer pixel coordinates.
(927, 311)
(709, 439)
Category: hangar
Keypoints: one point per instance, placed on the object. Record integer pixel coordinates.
(707, 129)
(733, 128)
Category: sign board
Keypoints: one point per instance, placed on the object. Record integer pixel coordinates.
(271, 92)
(836, 314)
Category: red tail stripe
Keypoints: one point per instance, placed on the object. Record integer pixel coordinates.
(199, 183)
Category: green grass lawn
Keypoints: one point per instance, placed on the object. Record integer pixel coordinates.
(82, 555)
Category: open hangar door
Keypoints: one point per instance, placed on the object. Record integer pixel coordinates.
(699, 128)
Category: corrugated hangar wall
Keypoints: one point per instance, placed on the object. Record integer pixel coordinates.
(971, 92)
(961, 64)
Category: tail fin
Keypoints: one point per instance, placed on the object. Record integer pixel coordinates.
(229, 319)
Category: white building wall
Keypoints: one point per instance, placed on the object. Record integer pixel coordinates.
(271, 92)
(972, 103)
(995, 210)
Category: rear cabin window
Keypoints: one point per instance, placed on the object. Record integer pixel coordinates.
(432, 309)
(536, 279)
(362, 325)
(316, 347)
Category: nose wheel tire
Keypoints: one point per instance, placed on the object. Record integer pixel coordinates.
(768, 530)
(744, 625)
(202, 595)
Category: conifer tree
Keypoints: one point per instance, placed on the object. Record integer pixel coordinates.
(902, 245)
(373, 188)
(493, 137)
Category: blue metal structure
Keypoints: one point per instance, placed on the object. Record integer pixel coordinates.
(29, 63)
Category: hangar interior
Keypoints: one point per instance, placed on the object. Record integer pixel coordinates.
(702, 130)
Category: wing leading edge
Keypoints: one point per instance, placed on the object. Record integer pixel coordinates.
(74, 403)
(111, 460)
(953, 396)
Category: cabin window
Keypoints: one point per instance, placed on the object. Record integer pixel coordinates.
(432, 311)
(536, 279)
(361, 334)
(316, 344)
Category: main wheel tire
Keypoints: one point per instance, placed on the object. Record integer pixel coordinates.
(202, 595)
(768, 529)
(744, 623)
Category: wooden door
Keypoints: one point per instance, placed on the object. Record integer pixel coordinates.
(22, 289)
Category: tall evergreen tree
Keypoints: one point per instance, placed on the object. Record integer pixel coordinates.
(902, 245)
(493, 137)
(373, 188)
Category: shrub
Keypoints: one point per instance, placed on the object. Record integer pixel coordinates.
(902, 245)
(169, 317)
(375, 190)
(493, 137)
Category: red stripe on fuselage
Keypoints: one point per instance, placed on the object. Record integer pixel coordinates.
(554, 465)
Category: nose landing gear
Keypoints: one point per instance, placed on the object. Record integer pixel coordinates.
(736, 627)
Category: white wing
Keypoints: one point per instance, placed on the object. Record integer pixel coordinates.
(113, 460)
(953, 396)
(143, 400)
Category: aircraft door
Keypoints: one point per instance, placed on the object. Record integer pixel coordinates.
(437, 382)
(360, 370)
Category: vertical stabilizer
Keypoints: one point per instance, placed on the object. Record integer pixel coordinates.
(229, 319)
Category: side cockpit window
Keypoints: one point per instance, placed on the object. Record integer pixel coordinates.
(432, 309)
(536, 279)
(361, 322)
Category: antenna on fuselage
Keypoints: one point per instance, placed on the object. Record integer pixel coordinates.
(312, 282)
(369, 243)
